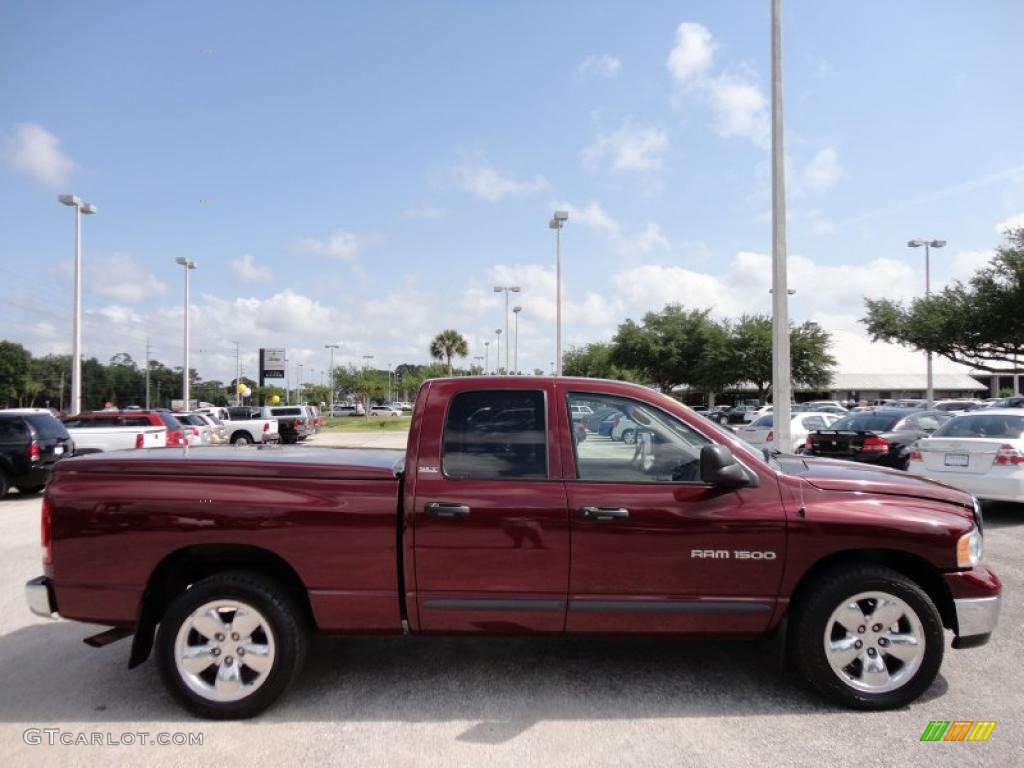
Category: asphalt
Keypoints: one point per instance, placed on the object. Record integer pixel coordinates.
(519, 702)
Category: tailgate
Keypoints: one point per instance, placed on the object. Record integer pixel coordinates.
(966, 455)
(154, 438)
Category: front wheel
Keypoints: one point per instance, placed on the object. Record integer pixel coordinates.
(230, 645)
(628, 436)
(867, 637)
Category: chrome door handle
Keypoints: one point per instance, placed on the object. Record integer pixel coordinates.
(447, 509)
(605, 513)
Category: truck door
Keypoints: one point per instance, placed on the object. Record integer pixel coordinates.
(490, 521)
(653, 548)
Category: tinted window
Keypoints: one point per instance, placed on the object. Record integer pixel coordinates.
(983, 425)
(867, 422)
(926, 422)
(661, 449)
(136, 421)
(47, 426)
(13, 431)
(496, 435)
(814, 422)
(169, 421)
(286, 411)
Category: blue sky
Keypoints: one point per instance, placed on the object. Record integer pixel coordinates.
(372, 170)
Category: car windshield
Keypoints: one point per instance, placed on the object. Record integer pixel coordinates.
(867, 422)
(997, 425)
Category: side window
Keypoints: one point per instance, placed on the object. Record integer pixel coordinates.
(11, 431)
(635, 443)
(135, 421)
(496, 435)
(814, 422)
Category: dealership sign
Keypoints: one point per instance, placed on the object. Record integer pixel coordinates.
(271, 364)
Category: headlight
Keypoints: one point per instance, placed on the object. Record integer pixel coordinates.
(968, 549)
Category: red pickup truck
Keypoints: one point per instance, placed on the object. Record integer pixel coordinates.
(503, 517)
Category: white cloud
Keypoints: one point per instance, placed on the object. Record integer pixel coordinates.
(630, 148)
(1014, 222)
(823, 171)
(121, 278)
(477, 176)
(424, 213)
(964, 264)
(604, 65)
(340, 245)
(630, 245)
(739, 106)
(35, 152)
(248, 271)
(691, 57)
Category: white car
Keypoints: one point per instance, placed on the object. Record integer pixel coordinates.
(957, 406)
(625, 430)
(761, 433)
(385, 410)
(349, 410)
(981, 452)
(579, 411)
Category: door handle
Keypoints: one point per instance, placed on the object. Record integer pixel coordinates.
(605, 514)
(447, 509)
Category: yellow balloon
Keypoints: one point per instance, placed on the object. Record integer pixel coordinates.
(240, 388)
(275, 399)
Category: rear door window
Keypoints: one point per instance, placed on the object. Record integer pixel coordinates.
(47, 426)
(13, 431)
(496, 435)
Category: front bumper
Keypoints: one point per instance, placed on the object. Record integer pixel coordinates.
(40, 598)
(976, 619)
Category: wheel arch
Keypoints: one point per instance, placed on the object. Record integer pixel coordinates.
(916, 568)
(185, 566)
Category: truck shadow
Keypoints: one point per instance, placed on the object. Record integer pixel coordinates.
(502, 686)
(1002, 514)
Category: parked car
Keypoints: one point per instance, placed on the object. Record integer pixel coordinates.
(981, 452)
(30, 444)
(957, 406)
(1015, 401)
(761, 432)
(384, 410)
(625, 429)
(881, 436)
(506, 528)
(247, 424)
(581, 411)
(114, 430)
(218, 431)
(349, 410)
(909, 402)
(822, 406)
(202, 431)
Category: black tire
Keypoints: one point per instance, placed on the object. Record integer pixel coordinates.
(5, 485)
(28, 490)
(241, 438)
(287, 626)
(629, 436)
(811, 616)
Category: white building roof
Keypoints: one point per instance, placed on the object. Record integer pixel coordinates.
(903, 381)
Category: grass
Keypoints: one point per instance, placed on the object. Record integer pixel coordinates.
(368, 424)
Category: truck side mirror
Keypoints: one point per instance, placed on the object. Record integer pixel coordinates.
(718, 467)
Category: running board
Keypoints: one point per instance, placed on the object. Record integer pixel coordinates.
(111, 635)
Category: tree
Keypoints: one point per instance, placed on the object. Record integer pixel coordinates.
(448, 344)
(594, 361)
(750, 341)
(666, 347)
(978, 324)
(15, 371)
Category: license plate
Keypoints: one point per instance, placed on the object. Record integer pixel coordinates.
(58, 450)
(957, 459)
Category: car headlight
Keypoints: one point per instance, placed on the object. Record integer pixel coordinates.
(968, 549)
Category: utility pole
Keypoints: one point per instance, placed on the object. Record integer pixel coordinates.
(147, 373)
(238, 373)
(781, 384)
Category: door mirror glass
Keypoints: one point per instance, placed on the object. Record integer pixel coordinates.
(719, 467)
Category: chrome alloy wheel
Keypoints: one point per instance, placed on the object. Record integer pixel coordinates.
(224, 650)
(874, 642)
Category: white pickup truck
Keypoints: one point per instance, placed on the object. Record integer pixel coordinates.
(102, 439)
(246, 426)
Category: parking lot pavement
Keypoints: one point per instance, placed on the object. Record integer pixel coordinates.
(521, 702)
(368, 439)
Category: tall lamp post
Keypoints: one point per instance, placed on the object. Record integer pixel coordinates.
(299, 386)
(515, 356)
(506, 289)
(189, 265)
(76, 319)
(928, 244)
(487, 357)
(497, 356)
(479, 359)
(556, 223)
(330, 379)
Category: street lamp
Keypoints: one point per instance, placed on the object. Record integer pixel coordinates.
(487, 353)
(299, 386)
(928, 244)
(506, 289)
(515, 357)
(556, 223)
(332, 347)
(479, 359)
(189, 265)
(76, 319)
(497, 356)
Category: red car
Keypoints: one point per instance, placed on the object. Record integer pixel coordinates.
(495, 520)
(111, 418)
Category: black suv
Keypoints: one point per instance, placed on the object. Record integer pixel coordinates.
(30, 444)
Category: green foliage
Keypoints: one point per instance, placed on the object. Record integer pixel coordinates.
(448, 344)
(593, 361)
(15, 373)
(980, 323)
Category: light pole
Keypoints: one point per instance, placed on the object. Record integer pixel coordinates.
(189, 265)
(497, 350)
(331, 347)
(928, 244)
(781, 384)
(487, 354)
(556, 223)
(479, 359)
(298, 386)
(515, 356)
(238, 371)
(76, 319)
(506, 289)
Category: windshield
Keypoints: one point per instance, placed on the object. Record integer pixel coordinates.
(867, 422)
(1010, 427)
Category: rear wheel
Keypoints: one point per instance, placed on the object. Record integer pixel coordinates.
(867, 637)
(241, 438)
(230, 645)
(30, 489)
(4, 484)
(629, 436)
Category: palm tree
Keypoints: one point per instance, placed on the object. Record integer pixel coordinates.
(448, 344)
